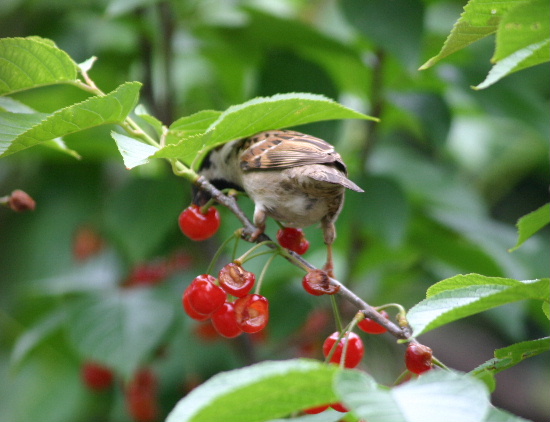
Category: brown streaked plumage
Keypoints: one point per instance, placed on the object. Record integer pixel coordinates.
(297, 179)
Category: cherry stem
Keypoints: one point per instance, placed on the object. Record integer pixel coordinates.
(401, 316)
(205, 207)
(342, 362)
(402, 377)
(238, 236)
(437, 362)
(262, 274)
(336, 313)
(219, 252)
(246, 256)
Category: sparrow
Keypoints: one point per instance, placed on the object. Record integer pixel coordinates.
(297, 179)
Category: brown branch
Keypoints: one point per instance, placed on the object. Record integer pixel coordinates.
(249, 228)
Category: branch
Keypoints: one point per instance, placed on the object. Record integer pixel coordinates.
(249, 228)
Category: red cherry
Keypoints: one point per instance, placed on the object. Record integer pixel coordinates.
(206, 331)
(189, 309)
(204, 296)
(198, 226)
(148, 273)
(316, 410)
(225, 322)
(252, 313)
(339, 407)
(141, 397)
(97, 377)
(293, 239)
(372, 327)
(235, 280)
(355, 349)
(317, 283)
(418, 358)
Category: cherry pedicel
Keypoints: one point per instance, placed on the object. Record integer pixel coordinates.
(293, 239)
(355, 349)
(418, 358)
(224, 321)
(96, 376)
(252, 313)
(235, 280)
(204, 296)
(317, 283)
(198, 226)
(372, 327)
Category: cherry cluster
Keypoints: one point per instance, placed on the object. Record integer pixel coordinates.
(211, 298)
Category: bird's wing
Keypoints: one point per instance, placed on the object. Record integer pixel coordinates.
(338, 179)
(284, 149)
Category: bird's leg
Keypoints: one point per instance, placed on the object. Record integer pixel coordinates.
(260, 217)
(329, 266)
(329, 232)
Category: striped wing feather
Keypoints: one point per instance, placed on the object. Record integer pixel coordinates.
(284, 149)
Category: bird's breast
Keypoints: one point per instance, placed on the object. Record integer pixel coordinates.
(293, 198)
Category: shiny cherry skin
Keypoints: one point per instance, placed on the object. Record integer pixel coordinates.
(197, 225)
(355, 349)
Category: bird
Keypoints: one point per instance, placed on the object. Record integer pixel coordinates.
(296, 179)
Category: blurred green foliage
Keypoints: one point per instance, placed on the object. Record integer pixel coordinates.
(447, 173)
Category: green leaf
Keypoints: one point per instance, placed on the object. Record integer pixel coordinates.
(31, 62)
(258, 393)
(134, 152)
(97, 273)
(25, 131)
(461, 281)
(263, 113)
(13, 124)
(512, 355)
(120, 328)
(526, 349)
(459, 397)
(48, 387)
(479, 19)
(531, 223)
(34, 335)
(464, 295)
(523, 26)
(195, 124)
(526, 57)
(155, 123)
(154, 206)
